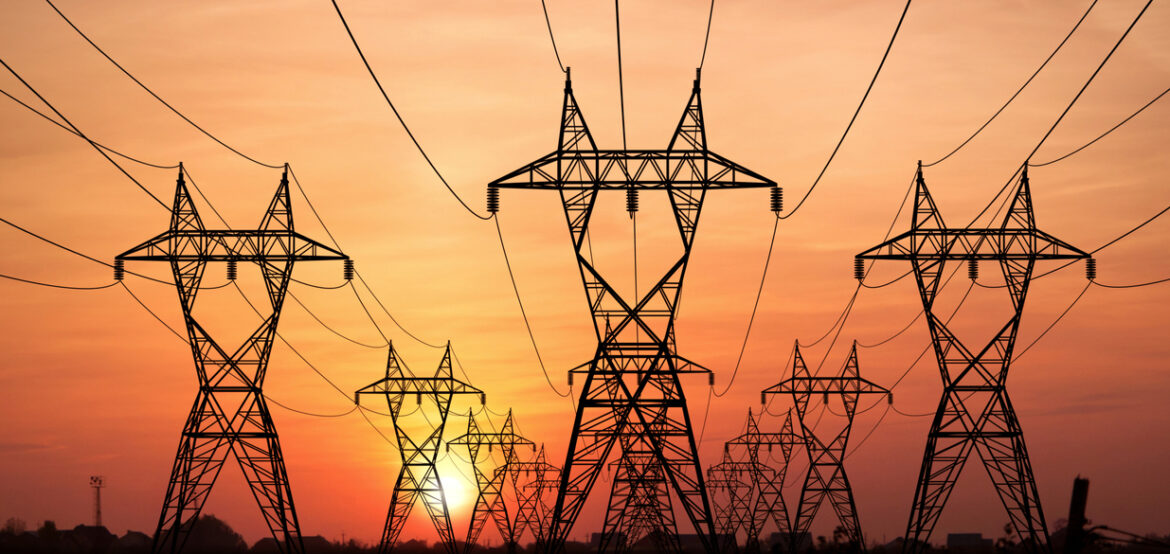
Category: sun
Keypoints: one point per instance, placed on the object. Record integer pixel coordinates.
(456, 489)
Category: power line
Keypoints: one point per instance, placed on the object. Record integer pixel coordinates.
(552, 38)
(156, 96)
(100, 145)
(357, 273)
(1098, 249)
(310, 414)
(524, 314)
(1129, 232)
(100, 150)
(399, 116)
(621, 86)
(55, 286)
(1103, 135)
(1090, 80)
(151, 312)
(80, 134)
(331, 329)
(72, 251)
(887, 283)
(393, 319)
(366, 311)
(854, 118)
(895, 335)
(1062, 115)
(1135, 285)
(755, 306)
(1054, 322)
(1018, 91)
(707, 36)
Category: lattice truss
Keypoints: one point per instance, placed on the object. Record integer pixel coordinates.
(747, 489)
(418, 477)
(632, 397)
(532, 482)
(492, 499)
(230, 413)
(826, 479)
(975, 413)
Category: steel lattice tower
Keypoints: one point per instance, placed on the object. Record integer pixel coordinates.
(543, 482)
(640, 505)
(826, 478)
(230, 413)
(768, 481)
(975, 412)
(530, 506)
(418, 477)
(632, 395)
(735, 479)
(490, 500)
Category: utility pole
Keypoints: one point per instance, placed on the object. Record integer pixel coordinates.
(230, 413)
(1074, 538)
(975, 413)
(826, 478)
(490, 500)
(418, 477)
(768, 482)
(97, 482)
(632, 396)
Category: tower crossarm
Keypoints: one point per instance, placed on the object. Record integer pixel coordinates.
(418, 386)
(222, 245)
(974, 244)
(826, 385)
(756, 440)
(638, 169)
(670, 363)
(503, 440)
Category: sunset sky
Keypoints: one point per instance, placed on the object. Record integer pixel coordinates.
(92, 384)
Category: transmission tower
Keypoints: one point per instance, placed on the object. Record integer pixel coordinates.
(640, 345)
(418, 477)
(735, 480)
(543, 483)
(975, 412)
(826, 478)
(97, 482)
(530, 505)
(230, 413)
(490, 500)
(768, 481)
(640, 504)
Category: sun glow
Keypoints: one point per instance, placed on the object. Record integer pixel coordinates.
(456, 489)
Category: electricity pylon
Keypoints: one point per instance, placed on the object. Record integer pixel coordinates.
(632, 381)
(640, 505)
(975, 412)
(530, 493)
(826, 478)
(768, 481)
(418, 477)
(543, 482)
(735, 480)
(490, 500)
(230, 413)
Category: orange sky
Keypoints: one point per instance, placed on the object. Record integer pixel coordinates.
(93, 385)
